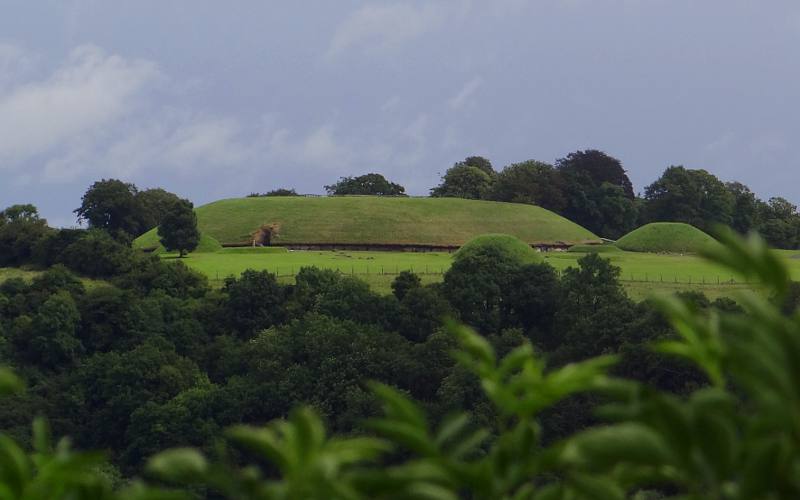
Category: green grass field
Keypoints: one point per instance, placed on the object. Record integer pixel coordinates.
(378, 220)
(642, 273)
(7, 273)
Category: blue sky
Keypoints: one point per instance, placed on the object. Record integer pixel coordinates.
(218, 99)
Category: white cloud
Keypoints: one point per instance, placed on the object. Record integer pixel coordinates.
(385, 26)
(14, 63)
(91, 90)
(463, 95)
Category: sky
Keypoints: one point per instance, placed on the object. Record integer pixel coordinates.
(213, 99)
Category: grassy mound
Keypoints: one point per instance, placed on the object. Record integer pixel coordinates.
(594, 249)
(149, 240)
(666, 237)
(505, 244)
(382, 220)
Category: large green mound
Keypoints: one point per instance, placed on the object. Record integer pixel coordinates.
(381, 221)
(504, 244)
(149, 240)
(666, 237)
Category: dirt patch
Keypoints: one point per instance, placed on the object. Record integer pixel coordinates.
(262, 237)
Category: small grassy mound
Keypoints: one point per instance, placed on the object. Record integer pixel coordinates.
(505, 244)
(594, 249)
(149, 241)
(666, 237)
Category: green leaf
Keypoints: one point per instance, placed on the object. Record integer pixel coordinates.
(178, 465)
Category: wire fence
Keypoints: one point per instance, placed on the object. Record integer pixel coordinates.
(666, 279)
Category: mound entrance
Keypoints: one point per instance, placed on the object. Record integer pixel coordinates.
(262, 237)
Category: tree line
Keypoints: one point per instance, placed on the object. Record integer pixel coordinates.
(592, 189)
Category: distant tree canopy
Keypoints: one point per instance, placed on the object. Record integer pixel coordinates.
(21, 229)
(692, 196)
(368, 184)
(153, 204)
(532, 182)
(464, 181)
(121, 209)
(274, 192)
(599, 168)
(178, 230)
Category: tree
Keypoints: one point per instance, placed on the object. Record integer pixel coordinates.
(463, 181)
(152, 205)
(597, 193)
(368, 184)
(532, 182)
(112, 205)
(96, 254)
(404, 282)
(21, 231)
(255, 301)
(779, 223)
(274, 192)
(599, 167)
(744, 215)
(178, 229)
(695, 197)
(480, 163)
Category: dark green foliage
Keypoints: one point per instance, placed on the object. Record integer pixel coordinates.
(149, 273)
(112, 205)
(50, 249)
(152, 205)
(464, 181)
(254, 302)
(695, 197)
(98, 255)
(275, 192)
(744, 216)
(404, 282)
(367, 184)
(725, 428)
(599, 167)
(422, 311)
(107, 388)
(479, 282)
(322, 361)
(779, 223)
(530, 182)
(21, 230)
(178, 229)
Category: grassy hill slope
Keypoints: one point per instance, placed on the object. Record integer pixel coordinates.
(381, 220)
(666, 237)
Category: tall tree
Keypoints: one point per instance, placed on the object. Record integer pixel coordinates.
(480, 163)
(21, 230)
(153, 204)
(599, 167)
(531, 182)
(692, 196)
(178, 229)
(368, 184)
(112, 205)
(744, 215)
(463, 181)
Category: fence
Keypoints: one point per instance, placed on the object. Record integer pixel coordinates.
(667, 279)
(291, 271)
